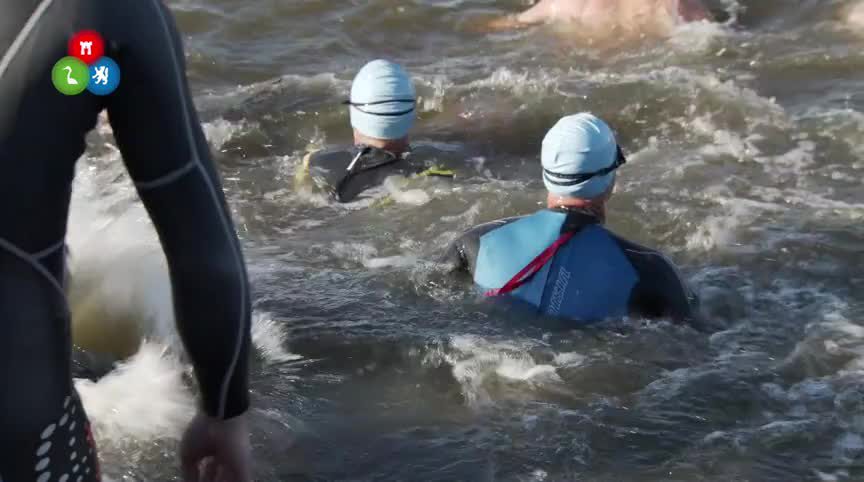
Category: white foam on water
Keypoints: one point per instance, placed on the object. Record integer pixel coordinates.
(478, 365)
(467, 218)
(538, 475)
(142, 400)
(438, 85)
(128, 280)
(723, 141)
(738, 212)
(269, 337)
(325, 81)
(837, 476)
(117, 266)
(570, 359)
(791, 163)
(849, 445)
(528, 84)
(399, 261)
(842, 125)
(697, 37)
(414, 197)
(719, 231)
(356, 252)
(220, 131)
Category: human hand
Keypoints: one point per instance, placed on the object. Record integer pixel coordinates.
(215, 450)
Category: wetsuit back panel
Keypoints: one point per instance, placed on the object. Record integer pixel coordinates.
(589, 278)
(506, 250)
(596, 273)
(329, 170)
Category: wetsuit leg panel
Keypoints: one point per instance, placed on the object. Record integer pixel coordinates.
(44, 428)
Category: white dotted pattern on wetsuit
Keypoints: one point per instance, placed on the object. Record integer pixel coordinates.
(65, 452)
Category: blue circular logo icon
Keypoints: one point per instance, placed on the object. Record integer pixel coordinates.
(104, 76)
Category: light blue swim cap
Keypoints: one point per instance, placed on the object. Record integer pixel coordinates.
(577, 145)
(383, 101)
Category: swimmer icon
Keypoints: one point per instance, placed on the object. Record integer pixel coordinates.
(70, 76)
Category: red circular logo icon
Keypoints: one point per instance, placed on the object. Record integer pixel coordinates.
(87, 46)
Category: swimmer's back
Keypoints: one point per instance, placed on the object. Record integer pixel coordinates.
(370, 166)
(659, 290)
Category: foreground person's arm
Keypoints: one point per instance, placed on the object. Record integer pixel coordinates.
(167, 156)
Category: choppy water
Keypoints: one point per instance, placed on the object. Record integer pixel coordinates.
(746, 145)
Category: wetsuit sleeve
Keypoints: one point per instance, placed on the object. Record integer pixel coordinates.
(461, 254)
(167, 156)
(455, 257)
(661, 292)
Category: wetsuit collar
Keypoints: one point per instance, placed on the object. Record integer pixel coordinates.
(367, 149)
(366, 158)
(577, 218)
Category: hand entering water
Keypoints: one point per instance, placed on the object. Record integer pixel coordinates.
(214, 450)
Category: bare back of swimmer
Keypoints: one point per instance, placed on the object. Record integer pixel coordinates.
(598, 18)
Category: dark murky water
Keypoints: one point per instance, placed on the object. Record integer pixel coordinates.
(745, 144)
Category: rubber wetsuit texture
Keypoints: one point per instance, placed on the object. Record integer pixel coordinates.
(659, 293)
(371, 166)
(42, 134)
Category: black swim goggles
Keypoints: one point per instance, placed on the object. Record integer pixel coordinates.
(574, 179)
(359, 106)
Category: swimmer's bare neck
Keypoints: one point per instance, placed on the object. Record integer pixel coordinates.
(595, 206)
(396, 146)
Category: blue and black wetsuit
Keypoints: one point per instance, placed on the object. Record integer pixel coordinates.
(595, 275)
(44, 433)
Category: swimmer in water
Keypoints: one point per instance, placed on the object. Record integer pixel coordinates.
(561, 261)
(854, 14)
(608, 18)
(44, 433)
(383, 109)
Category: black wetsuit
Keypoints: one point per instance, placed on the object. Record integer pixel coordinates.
(369, 166)
(660, 292)
(44, 433)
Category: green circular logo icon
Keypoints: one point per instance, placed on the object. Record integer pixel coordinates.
(70, 76)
